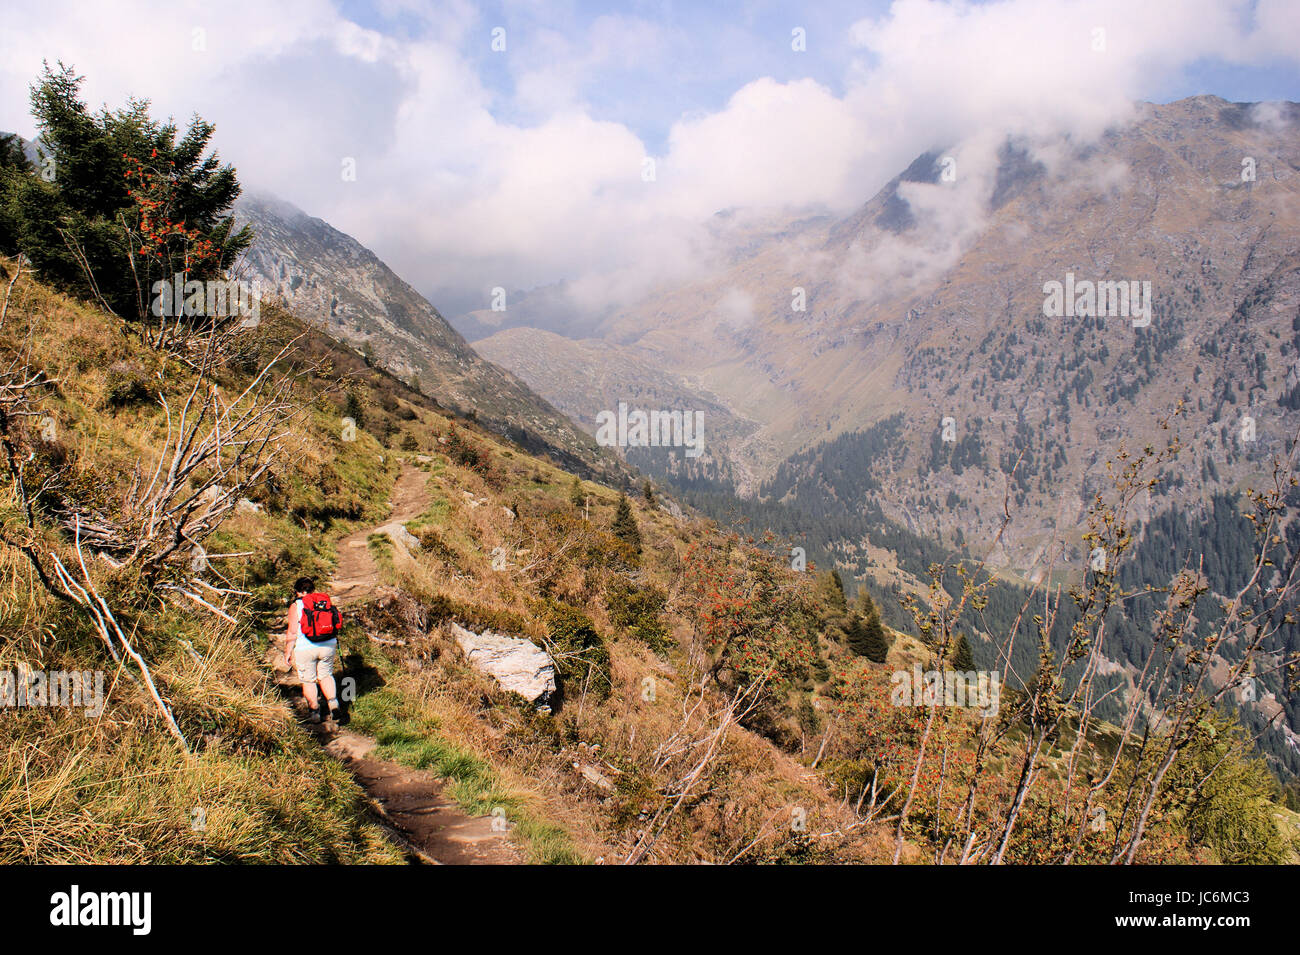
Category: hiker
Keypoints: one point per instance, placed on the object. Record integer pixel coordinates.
(311, 643)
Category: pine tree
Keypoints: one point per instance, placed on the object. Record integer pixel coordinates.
(855, 635)
(624, 527)
(352, 409)
(575, 492)
(648, 492)
(875, 643)
(871, 639)
(962, 658)
(863, 604)
(134, 200)
(838, 600)
(830, 595)
(11, 153)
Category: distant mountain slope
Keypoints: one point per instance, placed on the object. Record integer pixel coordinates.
(584, 377)
(929, 301)
(329, 279)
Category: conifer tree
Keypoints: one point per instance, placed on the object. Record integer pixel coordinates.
(133, 200)
(865, 633)
(855, 635)
(863, 604)
(962, 658)
(875, 643)
(353, 409)
(838, 600)
(830, 592)
(624, 527)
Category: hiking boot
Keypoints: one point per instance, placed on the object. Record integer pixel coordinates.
(336, 712)
(315, 715)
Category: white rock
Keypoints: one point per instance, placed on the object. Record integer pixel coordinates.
(400, 536)
(594, 776)
(245, 506)
(520, 666)
(672, 508)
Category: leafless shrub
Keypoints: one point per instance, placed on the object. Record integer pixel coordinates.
(216, 449)
(689, 754)
(1168, 699)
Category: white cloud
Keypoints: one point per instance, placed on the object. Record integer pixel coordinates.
(463, 187)
(736, 308)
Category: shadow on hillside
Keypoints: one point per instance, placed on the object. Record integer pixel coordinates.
(367, 678)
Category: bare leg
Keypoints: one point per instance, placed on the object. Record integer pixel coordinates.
(309, 693)
(331, 692)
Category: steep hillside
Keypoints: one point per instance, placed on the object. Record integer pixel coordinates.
(710, 705)
(587, 376)
(332, 281)
(501, 544)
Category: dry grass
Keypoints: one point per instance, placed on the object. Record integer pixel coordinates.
(115, 789)
(112, 787)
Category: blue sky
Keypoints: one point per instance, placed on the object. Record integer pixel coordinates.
(715, 50)
(718, 48)
(1239, 82)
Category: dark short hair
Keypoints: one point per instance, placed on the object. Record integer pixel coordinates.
(304, 585)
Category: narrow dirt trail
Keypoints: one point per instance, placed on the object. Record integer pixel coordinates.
(356, 574)
(410, 803)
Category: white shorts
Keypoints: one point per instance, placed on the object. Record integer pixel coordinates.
(315, 661)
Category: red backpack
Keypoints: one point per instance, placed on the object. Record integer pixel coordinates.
(320, 618)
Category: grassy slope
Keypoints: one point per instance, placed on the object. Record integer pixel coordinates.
(116, 788)
(435, 711)
(257, 789)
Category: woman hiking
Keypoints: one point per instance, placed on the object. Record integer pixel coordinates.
(311, 643)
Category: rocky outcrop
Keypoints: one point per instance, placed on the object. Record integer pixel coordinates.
(518, 665)
(399, 535)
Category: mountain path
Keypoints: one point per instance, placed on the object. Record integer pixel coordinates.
(410, 803)
(356, 575)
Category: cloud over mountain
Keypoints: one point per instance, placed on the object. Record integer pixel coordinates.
(478, 168)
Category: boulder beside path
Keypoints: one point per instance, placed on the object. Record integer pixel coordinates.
(518, 665)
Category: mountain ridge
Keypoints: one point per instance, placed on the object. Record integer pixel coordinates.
(906, 311)
(334, 282)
